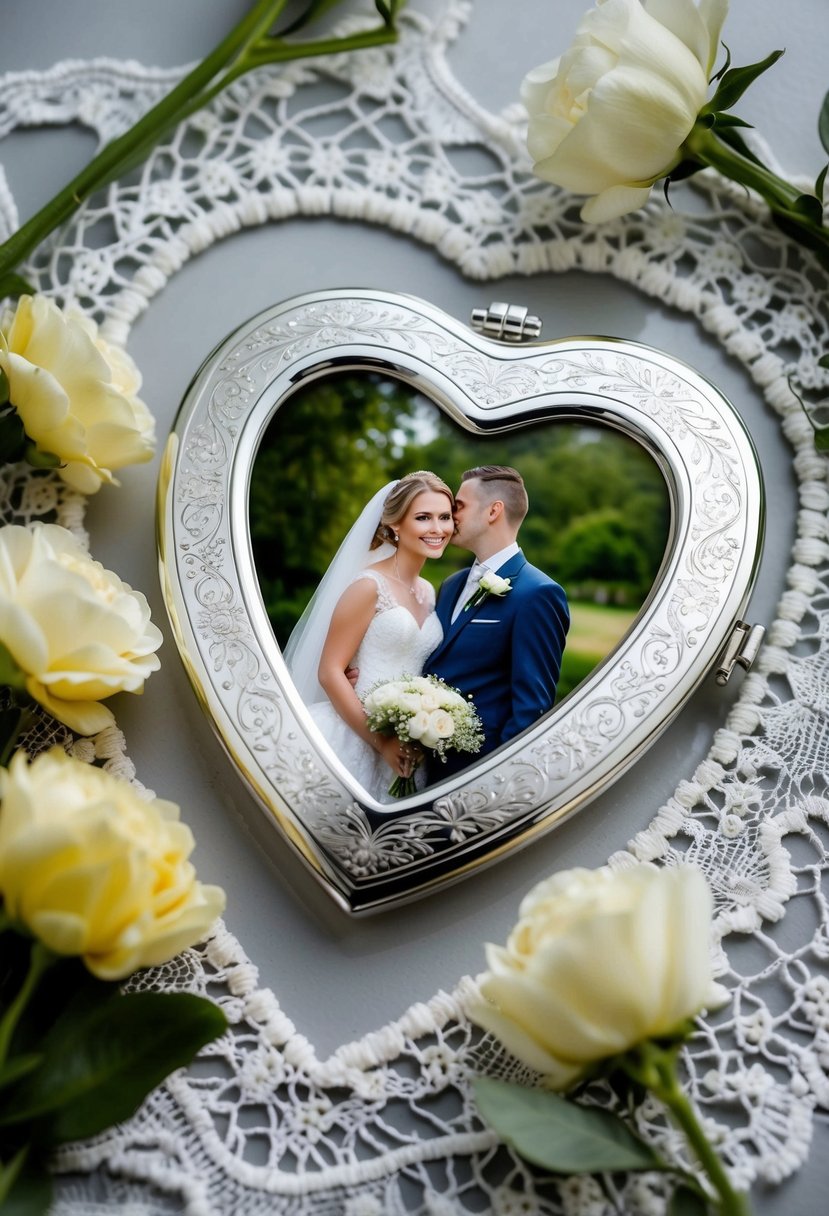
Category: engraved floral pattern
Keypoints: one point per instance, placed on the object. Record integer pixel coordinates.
(644, 390)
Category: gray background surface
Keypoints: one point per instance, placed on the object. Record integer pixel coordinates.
(335, 978)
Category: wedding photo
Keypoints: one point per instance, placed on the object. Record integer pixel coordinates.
(366, 497)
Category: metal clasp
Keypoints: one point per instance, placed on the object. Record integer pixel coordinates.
(742, 647)
(506, 322)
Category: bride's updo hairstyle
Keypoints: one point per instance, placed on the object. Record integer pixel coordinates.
(401, 498)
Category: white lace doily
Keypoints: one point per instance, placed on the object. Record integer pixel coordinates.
(386, 1125)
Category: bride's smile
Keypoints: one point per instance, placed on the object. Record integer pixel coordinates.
(427, 527)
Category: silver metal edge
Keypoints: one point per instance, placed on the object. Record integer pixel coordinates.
(365, 855)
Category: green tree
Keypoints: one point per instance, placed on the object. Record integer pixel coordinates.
(337, 440)
(328, 449)
(603, 550)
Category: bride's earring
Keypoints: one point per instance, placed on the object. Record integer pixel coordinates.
(396, 536)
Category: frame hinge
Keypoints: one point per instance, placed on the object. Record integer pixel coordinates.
(506, 322)
(741, 647)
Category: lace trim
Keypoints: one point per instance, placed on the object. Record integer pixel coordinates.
(386, 1124)
(385, 599)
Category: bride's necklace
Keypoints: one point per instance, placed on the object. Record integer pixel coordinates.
(417, 596)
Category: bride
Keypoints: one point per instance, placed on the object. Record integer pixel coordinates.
(373, 611)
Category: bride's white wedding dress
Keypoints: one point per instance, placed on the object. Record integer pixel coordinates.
(393, 645)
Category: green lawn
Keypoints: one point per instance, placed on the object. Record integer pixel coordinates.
(594, 631)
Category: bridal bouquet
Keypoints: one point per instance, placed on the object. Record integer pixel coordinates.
(426, 711)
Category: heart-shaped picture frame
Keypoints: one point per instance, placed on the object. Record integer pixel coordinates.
(369, 854)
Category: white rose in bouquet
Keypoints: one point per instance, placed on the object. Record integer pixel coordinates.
(383, 697)
(418, 725)
(442, 723)
(450, 699)
(409, 701)
(431, 700)
(424, 710)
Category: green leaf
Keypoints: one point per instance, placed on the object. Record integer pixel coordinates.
(687, 1202)
(721, 121)
(736, 80)
(821, 432)
(315, 10)
(823, 123)
(13, 438)
(4, 387)
(732, 137)
(685, 168)
(809, 206)
(13, 285)
(820, 182)
(823, 361)
(388, 10)
(12, 677)
(12, 1070)
(100, 1062)
(558, 1134)
(25, 1186)
(41, 460)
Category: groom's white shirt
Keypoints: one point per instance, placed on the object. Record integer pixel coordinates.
(478, 571)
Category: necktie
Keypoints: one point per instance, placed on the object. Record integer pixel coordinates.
(476, 572)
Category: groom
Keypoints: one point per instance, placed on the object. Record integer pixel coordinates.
(505, 649)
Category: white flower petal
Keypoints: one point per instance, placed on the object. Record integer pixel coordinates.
(612, 113)
(618, 200)
(599, 962)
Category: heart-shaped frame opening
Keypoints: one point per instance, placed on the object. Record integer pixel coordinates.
(370, 855)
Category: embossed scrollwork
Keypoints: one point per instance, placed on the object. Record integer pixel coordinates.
(708, 463)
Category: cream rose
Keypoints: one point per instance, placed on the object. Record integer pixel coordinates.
(449, 699)
(74, 392)
(493, 584)
(430, 700)
(431, 727)
(75, 631)
(94, 870)
(442, 723)
(383, 697)
(418, 726)
(598, 962)
(608, 117)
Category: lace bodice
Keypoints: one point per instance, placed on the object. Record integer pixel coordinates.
(394, 644)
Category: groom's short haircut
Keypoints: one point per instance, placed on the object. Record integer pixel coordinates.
(507, 484)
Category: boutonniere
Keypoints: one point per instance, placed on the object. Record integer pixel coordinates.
(490, 584)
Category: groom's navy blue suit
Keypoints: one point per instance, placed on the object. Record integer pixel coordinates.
(505, 652)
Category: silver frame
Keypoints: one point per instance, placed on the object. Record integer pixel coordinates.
(367, 855)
